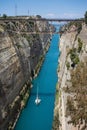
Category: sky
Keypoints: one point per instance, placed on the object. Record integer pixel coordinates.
(45, 8)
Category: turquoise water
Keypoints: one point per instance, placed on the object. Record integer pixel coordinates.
(40, 117)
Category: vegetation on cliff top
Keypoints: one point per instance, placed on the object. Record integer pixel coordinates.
(86, 17)
(77, 25)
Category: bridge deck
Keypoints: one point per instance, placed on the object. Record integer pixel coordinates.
(40, 19)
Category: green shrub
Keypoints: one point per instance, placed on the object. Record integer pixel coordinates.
(76, 59)
(73, 56)
(68, 65)
(80, 43)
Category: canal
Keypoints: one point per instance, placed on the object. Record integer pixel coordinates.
(40, 117)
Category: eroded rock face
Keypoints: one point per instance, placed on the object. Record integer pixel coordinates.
(68, 41)
(19, 55)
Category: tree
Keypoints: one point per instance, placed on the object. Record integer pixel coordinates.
(38, 16)
(4, 16)
(86, 17)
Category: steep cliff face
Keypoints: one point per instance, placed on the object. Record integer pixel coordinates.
(20, 53)
(73, 48)
(67, 41)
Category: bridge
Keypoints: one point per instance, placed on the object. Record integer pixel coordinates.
(40, 19)
(34, 20)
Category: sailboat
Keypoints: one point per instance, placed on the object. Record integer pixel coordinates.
(37, 100)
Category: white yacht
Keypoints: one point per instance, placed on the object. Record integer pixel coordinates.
(37, 100)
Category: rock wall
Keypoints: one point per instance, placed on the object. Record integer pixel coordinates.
(68, 41)
(20, 53)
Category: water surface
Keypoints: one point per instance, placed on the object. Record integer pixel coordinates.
(40, 117)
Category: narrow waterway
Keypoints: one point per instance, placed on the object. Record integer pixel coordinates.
(40, 117)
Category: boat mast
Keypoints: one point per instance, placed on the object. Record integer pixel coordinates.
(37, 92)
